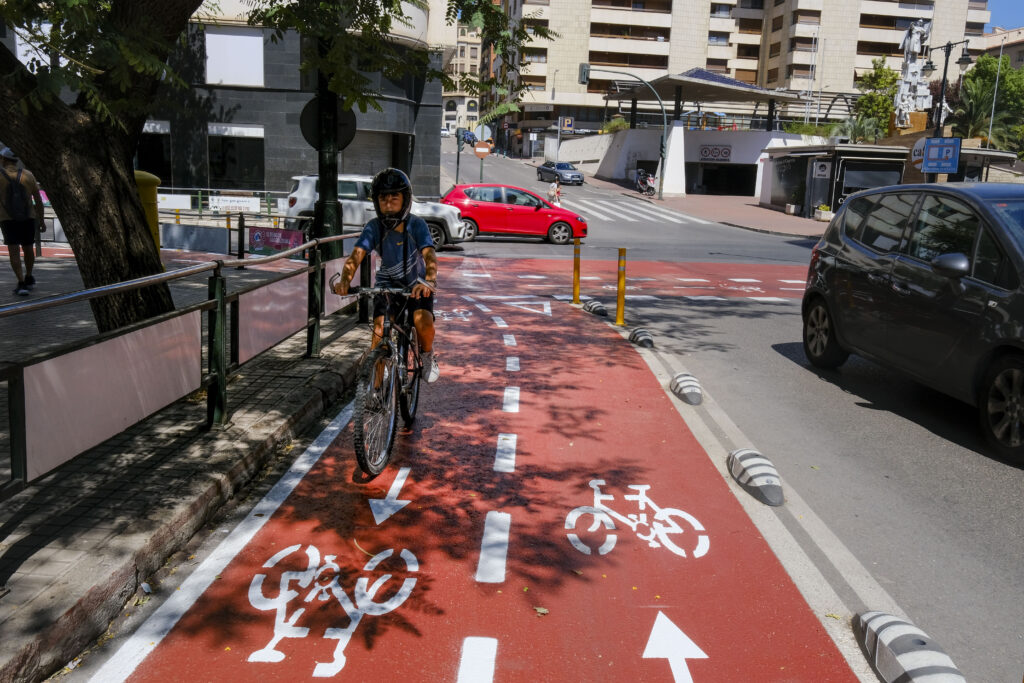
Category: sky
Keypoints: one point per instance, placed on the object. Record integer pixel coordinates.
(1006, 13)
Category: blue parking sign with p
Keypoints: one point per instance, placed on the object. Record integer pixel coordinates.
(941, 155)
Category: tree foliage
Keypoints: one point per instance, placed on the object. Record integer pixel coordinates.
(879, 87)
(858, 129)
(972, 118)
(115, 57)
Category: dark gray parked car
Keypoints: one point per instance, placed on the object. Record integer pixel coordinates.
(563, 170)
(926, 279)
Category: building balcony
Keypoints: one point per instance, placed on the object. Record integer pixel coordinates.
(534, 69)
(978, 16)
(803, 30)
(745, 38)
(722, 24)
(637, 45)
(626, 17)
(880, 35)
(908, 9)
(721, 52)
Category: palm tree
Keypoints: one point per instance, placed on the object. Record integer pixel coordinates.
(971, 118)
(859, 129)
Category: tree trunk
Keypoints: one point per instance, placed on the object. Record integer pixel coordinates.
(92, 189)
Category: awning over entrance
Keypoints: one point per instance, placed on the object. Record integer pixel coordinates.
(701, 85)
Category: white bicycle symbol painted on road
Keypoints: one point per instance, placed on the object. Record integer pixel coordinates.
(323, 583)
(664, 524)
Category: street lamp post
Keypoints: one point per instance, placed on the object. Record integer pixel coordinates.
(587, 69)
(929, 68)
(995, 94)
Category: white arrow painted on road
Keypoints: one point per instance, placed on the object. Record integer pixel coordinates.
(668, 642)
(385, 507)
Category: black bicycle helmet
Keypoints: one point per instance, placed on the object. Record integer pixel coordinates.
(387, 181)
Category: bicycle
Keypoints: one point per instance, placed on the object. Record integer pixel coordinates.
(663, 524)
(388, 383)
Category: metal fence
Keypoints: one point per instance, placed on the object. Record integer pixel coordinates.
(64, 401)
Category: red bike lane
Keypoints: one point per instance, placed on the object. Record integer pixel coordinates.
(497, 545)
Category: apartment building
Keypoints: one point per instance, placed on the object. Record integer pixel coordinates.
(462, 108)
(817, 47)
(1009, 41)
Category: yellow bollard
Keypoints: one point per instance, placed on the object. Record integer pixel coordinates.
(147, 184)
(576, 271)
(227, 217)
(276, 224)
(177, 216)
(620, 304)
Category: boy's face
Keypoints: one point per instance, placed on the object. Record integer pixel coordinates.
(390, 203)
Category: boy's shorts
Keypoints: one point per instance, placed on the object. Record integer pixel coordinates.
(19, 232)
(424, 303)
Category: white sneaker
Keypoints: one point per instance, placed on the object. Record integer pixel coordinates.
(430, 370)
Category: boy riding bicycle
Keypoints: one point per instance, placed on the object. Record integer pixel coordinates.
(407, 259)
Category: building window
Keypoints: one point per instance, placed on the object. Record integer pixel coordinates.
(234, 56)
(451, 105)
(462, 51)
(235, 156)
(471, 106)
(777, 23)
(719, 66)
(748, 51)
(773, 76)
(717, 38)
(472, 53)
(775, 49)
(721, 11)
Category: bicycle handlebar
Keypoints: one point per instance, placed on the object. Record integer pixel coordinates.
(370, 291)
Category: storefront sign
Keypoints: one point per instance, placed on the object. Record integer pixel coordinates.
(715, 152)
(229, 203)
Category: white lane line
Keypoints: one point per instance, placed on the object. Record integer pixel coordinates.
(792, 289)
(148, 636)
(494, 548)
(475, 274)
(695, 287)
(641, 279)
(693, 279)
(505, 456)
(642, 297)
(793, 282)
(590, 277)
(705, 298)
(510, 402)
(512, 364)
(509, 339)
(483, 308)
(532, 277)
(498, 321)
(742, 279)
(769, 299)
(476, 665)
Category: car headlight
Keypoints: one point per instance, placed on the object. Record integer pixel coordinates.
(581, 219)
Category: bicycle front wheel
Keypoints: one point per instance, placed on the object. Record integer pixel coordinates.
(376, 413)
(409, 399)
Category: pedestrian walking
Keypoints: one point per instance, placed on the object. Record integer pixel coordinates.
(18, 222)
(555, 192)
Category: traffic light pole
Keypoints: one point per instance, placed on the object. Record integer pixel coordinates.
(584, 79)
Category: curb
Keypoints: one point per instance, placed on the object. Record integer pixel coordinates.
(237, 456)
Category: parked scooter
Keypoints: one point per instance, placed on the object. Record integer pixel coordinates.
(645, 183)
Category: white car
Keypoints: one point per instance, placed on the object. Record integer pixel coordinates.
(445, 222)
(445, 133)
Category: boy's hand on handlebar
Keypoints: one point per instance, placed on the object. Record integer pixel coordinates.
(338, 285)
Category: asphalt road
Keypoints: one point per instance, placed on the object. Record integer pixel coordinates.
(897, 472)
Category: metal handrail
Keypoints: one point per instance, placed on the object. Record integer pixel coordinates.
(148, 280)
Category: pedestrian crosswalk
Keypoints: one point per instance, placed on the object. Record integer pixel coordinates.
(625, 210)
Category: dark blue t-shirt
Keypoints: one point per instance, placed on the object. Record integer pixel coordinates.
(392, 248)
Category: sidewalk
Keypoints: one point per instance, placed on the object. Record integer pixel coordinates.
(77, 544)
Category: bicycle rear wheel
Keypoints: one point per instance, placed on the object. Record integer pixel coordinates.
(409, 399)
(375, 416)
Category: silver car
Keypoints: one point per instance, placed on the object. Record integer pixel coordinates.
(563, 170)
(445, 222)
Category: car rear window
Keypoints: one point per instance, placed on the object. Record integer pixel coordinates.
(348, 189)
(484, 194)
(856, 211)
(883, 227)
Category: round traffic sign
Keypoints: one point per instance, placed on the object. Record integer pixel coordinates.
(310, 129)
(481, 149)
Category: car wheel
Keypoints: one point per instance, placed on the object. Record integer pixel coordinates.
(1001, 407)
(540, 176)
(820, 343)
(437, 235)
(559, 233)
(472, 229)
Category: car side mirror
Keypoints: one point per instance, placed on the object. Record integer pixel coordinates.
(954, 265)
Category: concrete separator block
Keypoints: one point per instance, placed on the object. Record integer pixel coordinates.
(903, 653)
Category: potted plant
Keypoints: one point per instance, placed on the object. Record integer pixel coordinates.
(823, 213)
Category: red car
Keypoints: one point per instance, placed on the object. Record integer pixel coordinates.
(508, 210)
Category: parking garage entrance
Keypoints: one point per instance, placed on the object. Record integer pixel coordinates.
(721, 179)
